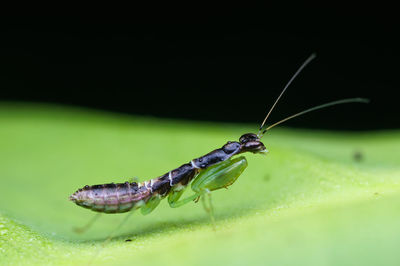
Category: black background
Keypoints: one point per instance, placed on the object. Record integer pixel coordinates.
(222, 65)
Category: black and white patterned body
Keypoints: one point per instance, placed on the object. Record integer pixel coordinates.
(123, 197)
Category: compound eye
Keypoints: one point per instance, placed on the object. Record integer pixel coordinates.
(248, 137)
(252, 145)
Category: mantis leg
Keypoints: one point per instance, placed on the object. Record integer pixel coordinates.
(84, 228)
(216, 177)
(209, 209)
(150, 205)
(174, 202)
(220, 175)
(109, 237)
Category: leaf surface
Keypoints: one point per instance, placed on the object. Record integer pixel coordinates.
(318, 198)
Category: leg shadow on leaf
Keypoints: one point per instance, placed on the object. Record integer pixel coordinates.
(167, 227)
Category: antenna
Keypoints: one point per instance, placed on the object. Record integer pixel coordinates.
(350, 100)
(308, 60)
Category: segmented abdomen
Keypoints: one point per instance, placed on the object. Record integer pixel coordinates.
(122, 197)
(112, 198)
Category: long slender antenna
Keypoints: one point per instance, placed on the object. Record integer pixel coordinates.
(309, 59)
(350, 100)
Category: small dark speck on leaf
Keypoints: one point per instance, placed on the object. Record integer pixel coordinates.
(358, 156)
(128, 240)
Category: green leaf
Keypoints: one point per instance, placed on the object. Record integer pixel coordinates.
(318, 198)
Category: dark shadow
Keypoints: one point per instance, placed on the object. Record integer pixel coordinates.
(162, 227)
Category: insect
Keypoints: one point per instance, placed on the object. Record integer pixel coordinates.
(218, 169)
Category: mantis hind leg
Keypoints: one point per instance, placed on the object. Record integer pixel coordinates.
(150, 205)
(84, 228)
(109, 237)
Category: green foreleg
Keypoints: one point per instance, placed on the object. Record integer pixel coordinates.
(219, 176)
(216, 177)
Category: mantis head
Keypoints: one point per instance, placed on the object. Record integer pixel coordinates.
(250, 142)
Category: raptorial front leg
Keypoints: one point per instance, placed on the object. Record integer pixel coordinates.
(216, 177)
(219, 176)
